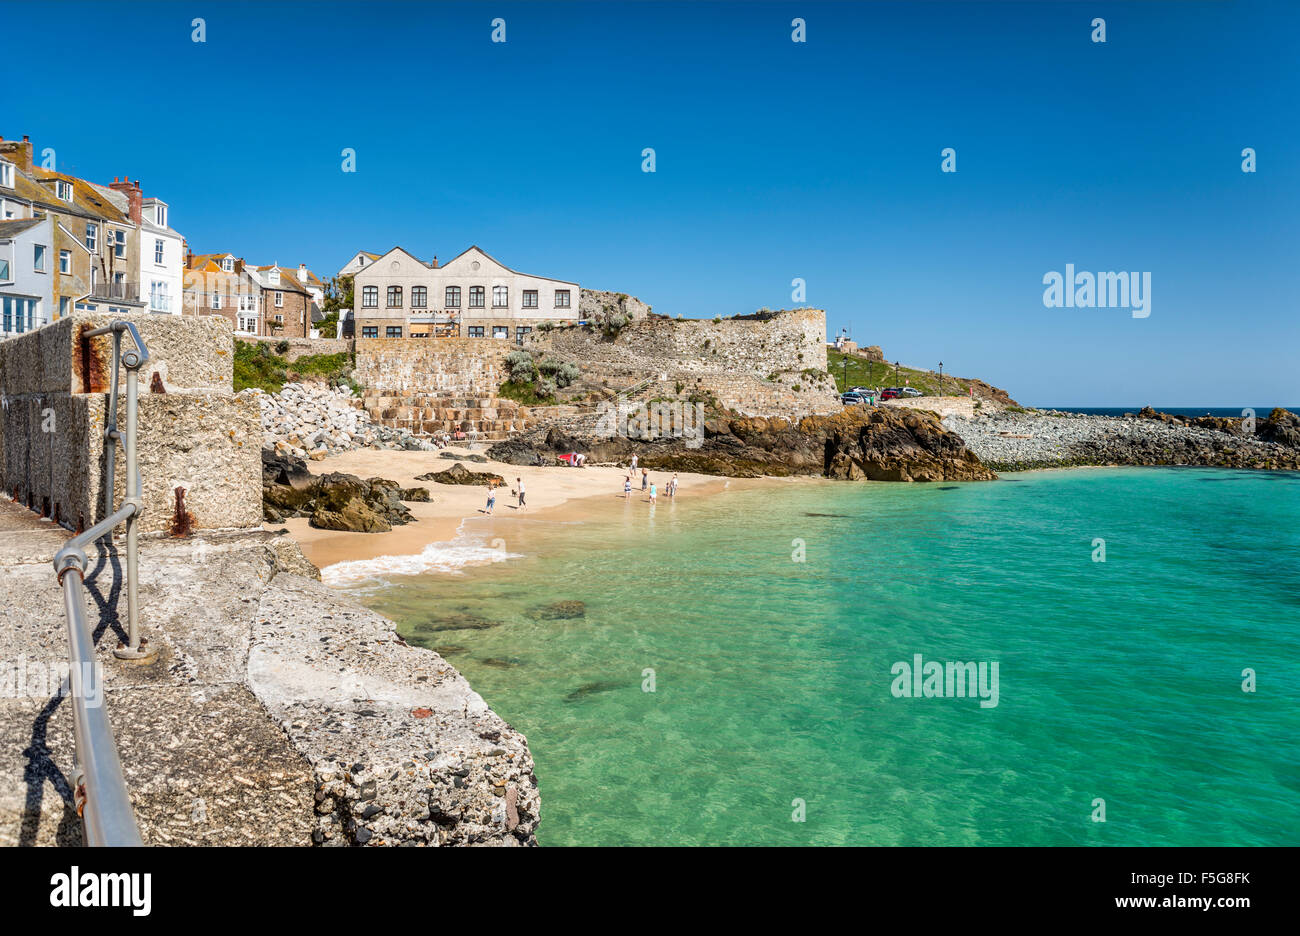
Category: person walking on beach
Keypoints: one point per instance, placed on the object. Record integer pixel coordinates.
(672, 486)
(627, 486)
(652, 493)
(645, 480)
(492, 498)
(520, 482)
(633, 463)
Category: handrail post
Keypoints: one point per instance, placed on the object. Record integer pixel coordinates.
(135, 648)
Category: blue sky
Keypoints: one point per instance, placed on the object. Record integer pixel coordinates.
(775, 160)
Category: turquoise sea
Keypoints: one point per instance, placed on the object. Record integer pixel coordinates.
(1118, 680)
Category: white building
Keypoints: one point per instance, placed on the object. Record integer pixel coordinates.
(471, 296)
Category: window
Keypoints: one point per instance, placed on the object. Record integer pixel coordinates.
(38, 258)
(476, 297)
(419, 297)
(65, 261)
(453, 297)
(158, 251)
(228, 265)
(393, 331)
(369, 331)
(19, 314)
(476, 331)
(501, 331)
(7, 174)
(159, 301)
(394, 297)
(500, 297)
(63, 190)
(92, 237)
(274, 276)
(279, 299)
(562, 299)
(530, 298)
(119, 243)
(216, 299)
(4, 270)
(521, 332)
(370, 297)
(161, 218)
(65, 305)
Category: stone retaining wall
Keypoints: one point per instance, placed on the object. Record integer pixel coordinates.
(301, 347)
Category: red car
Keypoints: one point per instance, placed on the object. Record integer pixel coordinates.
(890, 394)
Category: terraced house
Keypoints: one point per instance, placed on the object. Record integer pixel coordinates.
(471, 296)
(99, 248)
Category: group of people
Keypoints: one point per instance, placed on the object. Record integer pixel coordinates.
(648, 486)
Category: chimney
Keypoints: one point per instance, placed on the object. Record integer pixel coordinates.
(20, 154)
(189, 259)
(132, 191)
(302, 272)
(239, 265)
(435, 261)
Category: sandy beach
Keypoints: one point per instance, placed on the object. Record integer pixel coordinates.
(559, 494)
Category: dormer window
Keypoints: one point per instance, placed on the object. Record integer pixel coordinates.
(63, 190)
(228, 265)
(160, 216)
(7, 174)
(275, 277)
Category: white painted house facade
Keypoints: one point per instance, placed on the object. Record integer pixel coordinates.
(471, 296)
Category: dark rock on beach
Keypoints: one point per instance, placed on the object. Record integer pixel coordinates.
(334, 501)
(459, 474)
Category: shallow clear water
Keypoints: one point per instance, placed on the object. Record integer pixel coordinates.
(1119, 680)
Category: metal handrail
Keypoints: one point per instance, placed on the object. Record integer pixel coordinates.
(101, 796)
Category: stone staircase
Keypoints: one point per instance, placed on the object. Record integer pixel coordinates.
(485, 418)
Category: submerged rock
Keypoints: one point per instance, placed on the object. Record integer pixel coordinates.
(559, 611)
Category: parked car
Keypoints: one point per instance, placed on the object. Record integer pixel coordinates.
(865, 391)
(912, 392)
(890, 393)
(850, 398)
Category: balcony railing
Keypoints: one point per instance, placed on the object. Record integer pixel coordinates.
(121, 291)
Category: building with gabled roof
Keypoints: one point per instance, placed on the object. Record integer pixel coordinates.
(473, 295)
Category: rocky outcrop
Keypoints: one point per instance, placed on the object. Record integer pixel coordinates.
(335, 501)
(1045, 439)
(459, 474)
(609, 308)
(855, 444)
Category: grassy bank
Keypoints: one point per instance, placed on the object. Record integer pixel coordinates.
(257, 365)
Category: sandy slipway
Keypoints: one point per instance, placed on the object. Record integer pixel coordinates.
(1049, 439)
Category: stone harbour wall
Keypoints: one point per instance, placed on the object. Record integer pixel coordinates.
(766, 364)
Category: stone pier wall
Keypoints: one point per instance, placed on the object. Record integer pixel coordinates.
(193, 432)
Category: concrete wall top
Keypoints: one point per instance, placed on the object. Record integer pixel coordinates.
(186, 352)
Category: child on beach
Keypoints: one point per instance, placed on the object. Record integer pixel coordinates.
(645, 479)
(627, 487)
(652, 493)
(492, 498)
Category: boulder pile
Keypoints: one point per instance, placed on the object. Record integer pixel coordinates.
(334, 501)
(314, 420)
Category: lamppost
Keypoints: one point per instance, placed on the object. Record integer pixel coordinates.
(895, 373)
(845, 361)
(941, 378)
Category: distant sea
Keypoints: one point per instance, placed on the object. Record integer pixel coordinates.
(767, 622)
(1261, 412)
